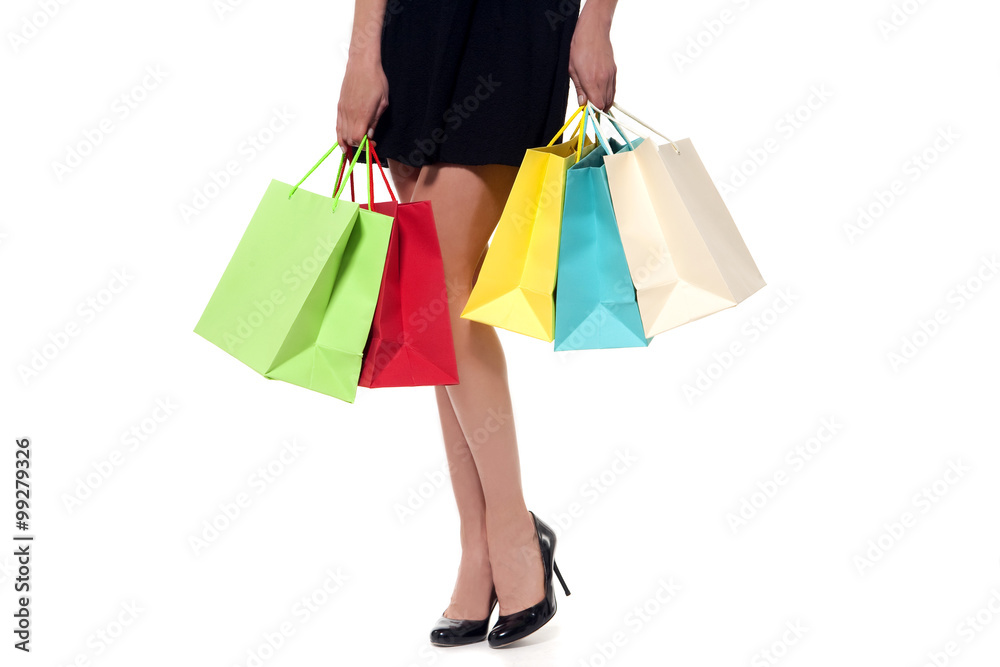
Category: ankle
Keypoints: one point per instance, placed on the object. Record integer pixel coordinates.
(473, 540)
(510, 510)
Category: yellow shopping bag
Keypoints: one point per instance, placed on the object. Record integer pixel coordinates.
(515, 286)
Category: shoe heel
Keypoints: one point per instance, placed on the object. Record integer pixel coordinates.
(559, 575)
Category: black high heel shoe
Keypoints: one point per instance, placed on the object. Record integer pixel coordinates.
(511, 627)
(457, 632)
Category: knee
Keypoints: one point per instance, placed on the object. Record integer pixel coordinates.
(458, 287)
(468, 335)
(461, 328)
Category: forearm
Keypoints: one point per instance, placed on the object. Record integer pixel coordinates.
(601, 11)
(366, 33)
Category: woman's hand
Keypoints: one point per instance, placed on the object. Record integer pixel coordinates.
(364, 95)
(591, 58)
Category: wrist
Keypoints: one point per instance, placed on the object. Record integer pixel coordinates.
(365, 55)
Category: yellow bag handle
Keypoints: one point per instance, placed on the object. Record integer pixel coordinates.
(563, 128)
(583, 135)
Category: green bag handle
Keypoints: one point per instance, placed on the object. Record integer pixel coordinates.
(336, 194)
(350, 175)
(371, 156)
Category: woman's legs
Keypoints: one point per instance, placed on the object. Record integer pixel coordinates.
(472, 587)
(476, 414)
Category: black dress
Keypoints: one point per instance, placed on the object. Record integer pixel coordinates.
(473, 81)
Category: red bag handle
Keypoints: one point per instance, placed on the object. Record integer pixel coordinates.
(370, 154)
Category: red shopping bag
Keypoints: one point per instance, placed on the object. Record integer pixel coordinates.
(410, 342)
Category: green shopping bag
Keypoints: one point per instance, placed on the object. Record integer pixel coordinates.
(297, 299)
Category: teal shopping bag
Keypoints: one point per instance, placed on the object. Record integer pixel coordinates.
(595, 299)
(296, 301)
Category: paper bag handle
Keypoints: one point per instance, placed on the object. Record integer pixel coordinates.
(339, 189)
(381, 171)
(566, 125)
(370, 154)
(598, 114)
(645, 125)
(597, 129)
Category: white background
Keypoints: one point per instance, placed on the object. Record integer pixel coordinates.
(795, 167)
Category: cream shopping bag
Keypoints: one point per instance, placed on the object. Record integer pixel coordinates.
(685, 255)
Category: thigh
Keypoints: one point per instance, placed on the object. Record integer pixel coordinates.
(404, 178)
(467, 201)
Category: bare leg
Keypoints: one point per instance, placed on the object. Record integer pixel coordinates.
(470, 596)
(467, 202)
